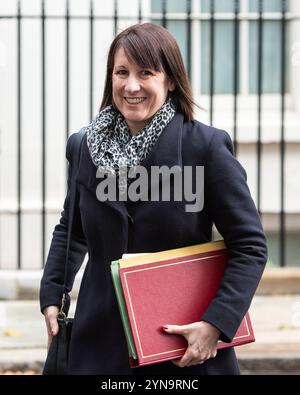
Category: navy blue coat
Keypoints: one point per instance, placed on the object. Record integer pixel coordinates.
(106, 230)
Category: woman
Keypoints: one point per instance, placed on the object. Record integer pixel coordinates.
(146, 119)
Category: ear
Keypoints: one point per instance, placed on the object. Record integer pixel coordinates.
(171, 86)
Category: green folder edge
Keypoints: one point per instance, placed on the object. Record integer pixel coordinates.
(114, 267)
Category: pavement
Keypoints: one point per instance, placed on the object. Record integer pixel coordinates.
(275, 319)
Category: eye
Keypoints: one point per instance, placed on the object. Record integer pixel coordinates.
(121, 72)
(146, 73)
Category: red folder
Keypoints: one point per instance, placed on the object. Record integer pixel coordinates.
(176, 291)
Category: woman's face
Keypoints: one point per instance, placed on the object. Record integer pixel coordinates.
(138, 93)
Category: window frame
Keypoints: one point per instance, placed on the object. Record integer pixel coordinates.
(246, 100)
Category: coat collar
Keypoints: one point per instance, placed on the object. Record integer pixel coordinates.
(166, 151)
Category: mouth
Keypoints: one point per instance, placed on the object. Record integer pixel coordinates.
(134, 100)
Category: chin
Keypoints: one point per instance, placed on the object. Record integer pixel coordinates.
(135, 117)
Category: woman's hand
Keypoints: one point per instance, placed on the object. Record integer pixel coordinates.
(202, 338)
(50, 314)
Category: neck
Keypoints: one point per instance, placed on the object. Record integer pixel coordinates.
(134, 129)
(134, 132)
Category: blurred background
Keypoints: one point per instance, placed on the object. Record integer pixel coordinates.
(243, 60)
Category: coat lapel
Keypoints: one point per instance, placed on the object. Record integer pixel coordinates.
(166, 151)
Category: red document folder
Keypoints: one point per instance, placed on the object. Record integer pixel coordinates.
(173, 287)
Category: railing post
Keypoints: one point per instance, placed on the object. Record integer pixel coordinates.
(115, 17)
(140, 11)
(19, 137)
(236, 71)
(212, 60)
(43, 135)
(91, 57)
(259, 97)
(282, 242)
(189, 37)
(164, 13)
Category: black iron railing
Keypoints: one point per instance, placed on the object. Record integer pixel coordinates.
(164, 19)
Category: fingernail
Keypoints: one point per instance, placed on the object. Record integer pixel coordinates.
(165, 327)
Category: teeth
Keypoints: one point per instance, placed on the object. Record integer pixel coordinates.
(134, 100)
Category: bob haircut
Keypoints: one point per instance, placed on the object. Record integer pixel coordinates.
(152, 47)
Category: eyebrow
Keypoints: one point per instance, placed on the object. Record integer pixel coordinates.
(120, 66)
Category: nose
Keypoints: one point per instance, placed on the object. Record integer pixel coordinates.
(132, 84)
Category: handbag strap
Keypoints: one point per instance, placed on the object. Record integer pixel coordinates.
(75, 149)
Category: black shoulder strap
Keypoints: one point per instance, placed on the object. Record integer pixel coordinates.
(75, 157)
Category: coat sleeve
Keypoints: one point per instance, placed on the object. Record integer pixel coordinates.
(236, 218)
(51, 287)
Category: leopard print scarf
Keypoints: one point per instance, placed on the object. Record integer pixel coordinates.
(112, 146)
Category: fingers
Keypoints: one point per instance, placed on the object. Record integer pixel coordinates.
(51, 313)
(178, 364)
(182, 362)
(53, 326)
(191, 357)
(200, 346)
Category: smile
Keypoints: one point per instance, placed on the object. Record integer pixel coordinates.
(135, 100)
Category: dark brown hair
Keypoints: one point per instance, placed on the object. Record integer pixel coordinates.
(152, 46)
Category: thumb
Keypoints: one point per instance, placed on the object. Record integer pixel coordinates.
(175, 329)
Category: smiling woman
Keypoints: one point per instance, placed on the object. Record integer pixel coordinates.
(146, 122)
(138, 93)
(147, 59)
